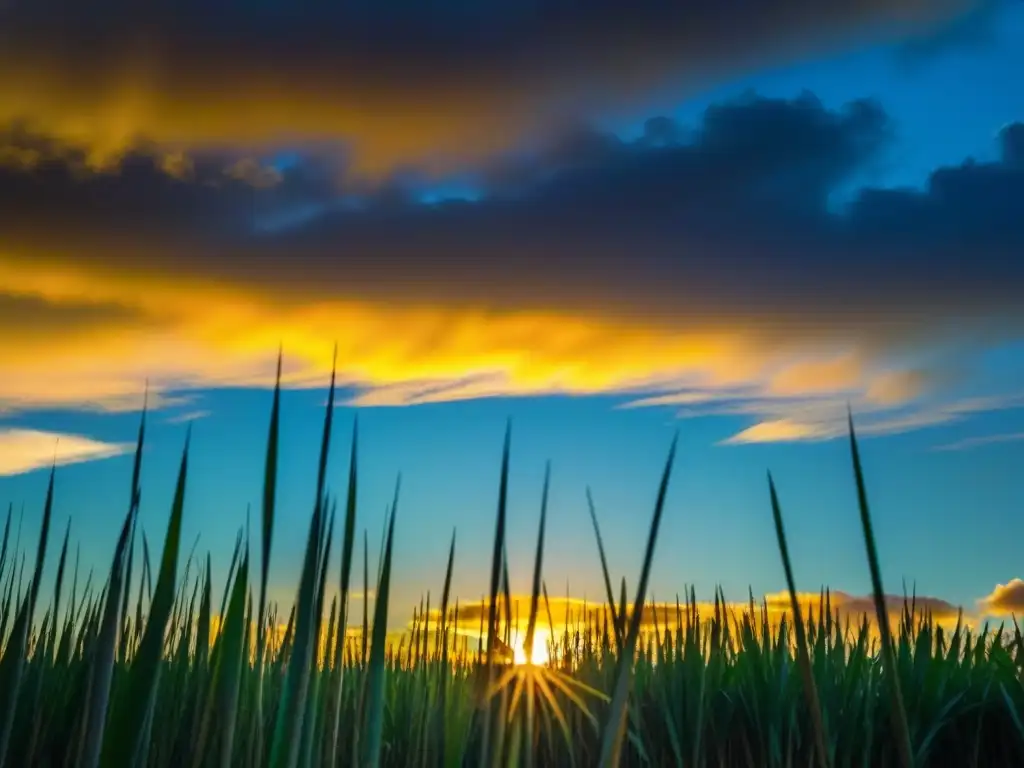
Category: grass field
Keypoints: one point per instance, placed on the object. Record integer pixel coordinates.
(155, 673)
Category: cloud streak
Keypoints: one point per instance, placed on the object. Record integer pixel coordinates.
(23, 450)
(980, 441)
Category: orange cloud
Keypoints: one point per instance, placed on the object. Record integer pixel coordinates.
(575, 611)
(1004, 600)
(832, 374)
(106, 333)
(779, 431)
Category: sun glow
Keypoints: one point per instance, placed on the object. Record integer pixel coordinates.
(541, 637)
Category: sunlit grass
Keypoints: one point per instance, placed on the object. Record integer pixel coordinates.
(157, 673)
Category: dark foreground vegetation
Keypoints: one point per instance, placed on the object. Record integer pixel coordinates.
(104, 672)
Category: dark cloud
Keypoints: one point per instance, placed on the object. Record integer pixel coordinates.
(716, 246)
(398, 81)
(731, 218)
(970, 31)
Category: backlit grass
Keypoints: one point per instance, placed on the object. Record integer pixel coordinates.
(108, 672)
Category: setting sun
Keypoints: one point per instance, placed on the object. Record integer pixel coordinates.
(540, 647)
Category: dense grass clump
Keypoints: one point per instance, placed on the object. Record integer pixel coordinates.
(154, 674)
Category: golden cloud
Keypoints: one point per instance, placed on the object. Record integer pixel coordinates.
(102, 334)
(1005, 600)
(575, 612)
(780, 431)
(181, 331)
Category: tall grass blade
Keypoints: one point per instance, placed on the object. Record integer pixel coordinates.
(901, 728)
(13, 662)
(604, 572)
(222, 705)
(292, 707)
(804, 658)
(127, 738)
(615, 724)
(347, 546)
(269, 498)
(102, 667)
(373, 727)
(497, 565)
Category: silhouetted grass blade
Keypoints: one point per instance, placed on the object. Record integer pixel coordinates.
(900, 725)
(374, 723)
(803, 654)
(604, 572)
(128, 734)
(615, 725)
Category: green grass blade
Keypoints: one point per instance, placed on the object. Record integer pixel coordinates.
(615, 725)
(373, 726)
(44, 535)
(900, 725)
(51, 642)
(127, 736)
(347, 546)
(291, 712)
(538, 565)
(222, 706)
(810, 688)
(134, 495)
(604, 571)
(101, 669)
(13, 662)
(497, 567)
(269, 499)
(6, 541)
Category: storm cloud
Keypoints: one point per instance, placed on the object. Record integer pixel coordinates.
(396, 82)
(707, 256)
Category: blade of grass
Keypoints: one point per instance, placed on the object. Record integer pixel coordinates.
(102, 666)
(128, 737)
(291, 712)
(13, 662)
(224, 694)
(810, 689)
(901, 729)
(497, 561)
(347, 547)
(604, 571)
(615, 724)
(373, 726)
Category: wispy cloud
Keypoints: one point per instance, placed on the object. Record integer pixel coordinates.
(23, 450)
(781, 431)
(982, 440)
(189, 416)
(818, 417)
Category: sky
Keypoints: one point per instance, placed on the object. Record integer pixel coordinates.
(606, 223)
